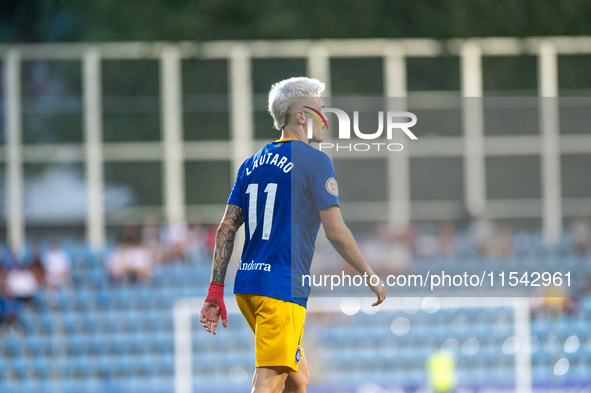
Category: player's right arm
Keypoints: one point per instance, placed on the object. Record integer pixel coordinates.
(214, 306)
(342, 240)
(224, 242)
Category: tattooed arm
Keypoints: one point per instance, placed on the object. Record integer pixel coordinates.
(214, 306)
(224, 242)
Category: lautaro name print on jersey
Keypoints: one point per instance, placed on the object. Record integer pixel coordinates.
(271, 159)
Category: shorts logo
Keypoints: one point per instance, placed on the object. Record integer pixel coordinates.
(331, 187)
(298, 354)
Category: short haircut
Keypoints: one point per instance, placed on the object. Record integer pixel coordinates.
(286, 93)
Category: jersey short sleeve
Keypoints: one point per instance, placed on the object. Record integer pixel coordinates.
(323, 183)
(236, 194)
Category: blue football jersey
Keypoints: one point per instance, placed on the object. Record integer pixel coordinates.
(280, 190)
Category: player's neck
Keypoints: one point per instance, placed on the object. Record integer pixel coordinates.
(287, 133)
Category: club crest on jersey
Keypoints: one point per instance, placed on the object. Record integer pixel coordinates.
(298, 355)
(331, 187)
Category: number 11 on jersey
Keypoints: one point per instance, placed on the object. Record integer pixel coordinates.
(253, 190)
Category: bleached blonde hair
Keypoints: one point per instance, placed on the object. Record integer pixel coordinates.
(285, 93)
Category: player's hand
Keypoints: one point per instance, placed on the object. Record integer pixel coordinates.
(210, 316)
(380, 291)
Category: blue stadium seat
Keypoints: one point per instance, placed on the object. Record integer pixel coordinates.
(121, 336)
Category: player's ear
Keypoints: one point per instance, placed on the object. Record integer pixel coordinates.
(300, 117)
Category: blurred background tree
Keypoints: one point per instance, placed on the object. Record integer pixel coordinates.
(107, 20)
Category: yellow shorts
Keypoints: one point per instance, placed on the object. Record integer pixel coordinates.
(278, 327)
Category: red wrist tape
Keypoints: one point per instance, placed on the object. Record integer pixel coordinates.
(215, 296)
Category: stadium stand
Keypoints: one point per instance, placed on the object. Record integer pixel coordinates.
(101, 337)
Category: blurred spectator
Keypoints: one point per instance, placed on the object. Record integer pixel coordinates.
(196, 244)
(37, 267)
(151, 237)
(21, 284)
(501, 244)
(447, 238)
(177, 237)
(138, 263)
(503, 240)
(482, 231)
(427, 241)
(131, 261)
(9, 306)
(57, 268)
(581, 234)
(131, 232)
(116, 265)
(434, 240)
(3, 273)
(492, 240)
(151, 231)
(388, 250)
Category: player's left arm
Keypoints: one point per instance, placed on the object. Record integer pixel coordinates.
(214, 306)
(343, 241)
(325, 194)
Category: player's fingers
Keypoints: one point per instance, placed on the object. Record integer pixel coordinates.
(203, 315)
(379, 301)
(203, 319)
(225, 323)
(207, 321)
(214, 327)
